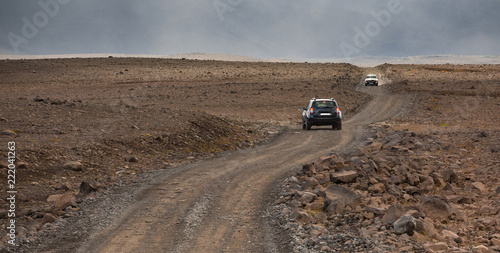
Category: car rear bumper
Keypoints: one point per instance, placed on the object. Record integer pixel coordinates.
(321, 121)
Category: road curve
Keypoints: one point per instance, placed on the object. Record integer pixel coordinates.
(219, 205)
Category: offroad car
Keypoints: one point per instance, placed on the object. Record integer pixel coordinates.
(321, 112)
(371, 80)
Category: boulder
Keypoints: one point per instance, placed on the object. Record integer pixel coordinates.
(412, 179)
(405, 225)
(344, 176)
(131, 159)
(480, 187)
(86, 190)
(426, 185)
(339, 198)
(8, 132)
(65, 201)
(495, 241)
(376, 210)
(323, 177)
(309, 169)
(75, 165)
(52, 199)
(377, 188)
(424, 226)
(393, 214)
(301, 217)
(481, 249)
(48, 218)
(452, 235)
(374, 147)
(435, 207)
(306, 197)
(308, 183)
(437, 247)
(449, 176)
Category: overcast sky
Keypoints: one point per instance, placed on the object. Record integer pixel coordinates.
(257, 28)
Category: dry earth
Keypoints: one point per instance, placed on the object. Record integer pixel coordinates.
(136, 128)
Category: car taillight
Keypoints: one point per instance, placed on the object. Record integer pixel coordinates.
(337, 110)
(311, 111)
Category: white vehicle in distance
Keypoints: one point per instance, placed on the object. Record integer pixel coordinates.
(371, 80)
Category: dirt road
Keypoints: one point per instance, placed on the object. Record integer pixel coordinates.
(220, 205)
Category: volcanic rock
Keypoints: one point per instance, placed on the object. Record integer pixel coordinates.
(75, 165)
(405, 225)
(435, 207)
(344, 176)
(338, 198)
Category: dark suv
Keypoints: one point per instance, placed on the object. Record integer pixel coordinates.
(322, 112)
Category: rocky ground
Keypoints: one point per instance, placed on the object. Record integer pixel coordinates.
(427, 180)
(88, 125)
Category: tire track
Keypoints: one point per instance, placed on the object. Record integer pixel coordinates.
(219, 205)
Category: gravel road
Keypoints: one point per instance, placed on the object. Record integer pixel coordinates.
(220, 205)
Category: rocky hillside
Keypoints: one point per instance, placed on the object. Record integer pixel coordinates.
(425, 182)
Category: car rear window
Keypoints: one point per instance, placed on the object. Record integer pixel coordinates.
(323, 104)
(371, 77)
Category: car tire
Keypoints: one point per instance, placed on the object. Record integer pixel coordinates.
(308, 125)
(303, 124)
(339, 126)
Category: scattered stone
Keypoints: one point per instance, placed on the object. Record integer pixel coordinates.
(344, 176)
(377, 188)
(8, 132)
(427, 185)
(479, 186)
(85, 191)
(437, 247)
(131, 159)
(426, 227)
(309, 169)
(449, 176)
(452, 235)
(405, 225)
(393, 213)
(306, 197)
(65, 186)
(338, 198)
(65, 201)
(302, 217)
(52, 199)
(374, 147)
(48, 218)
(38, 99)
(435, 207)
(480, 249)
(57, 102)
(75, 166)
(495, 241)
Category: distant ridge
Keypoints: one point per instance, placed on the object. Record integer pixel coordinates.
(371, 61)
(191, 56)
(368, 61)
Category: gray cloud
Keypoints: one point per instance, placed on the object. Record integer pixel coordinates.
(269, 29)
